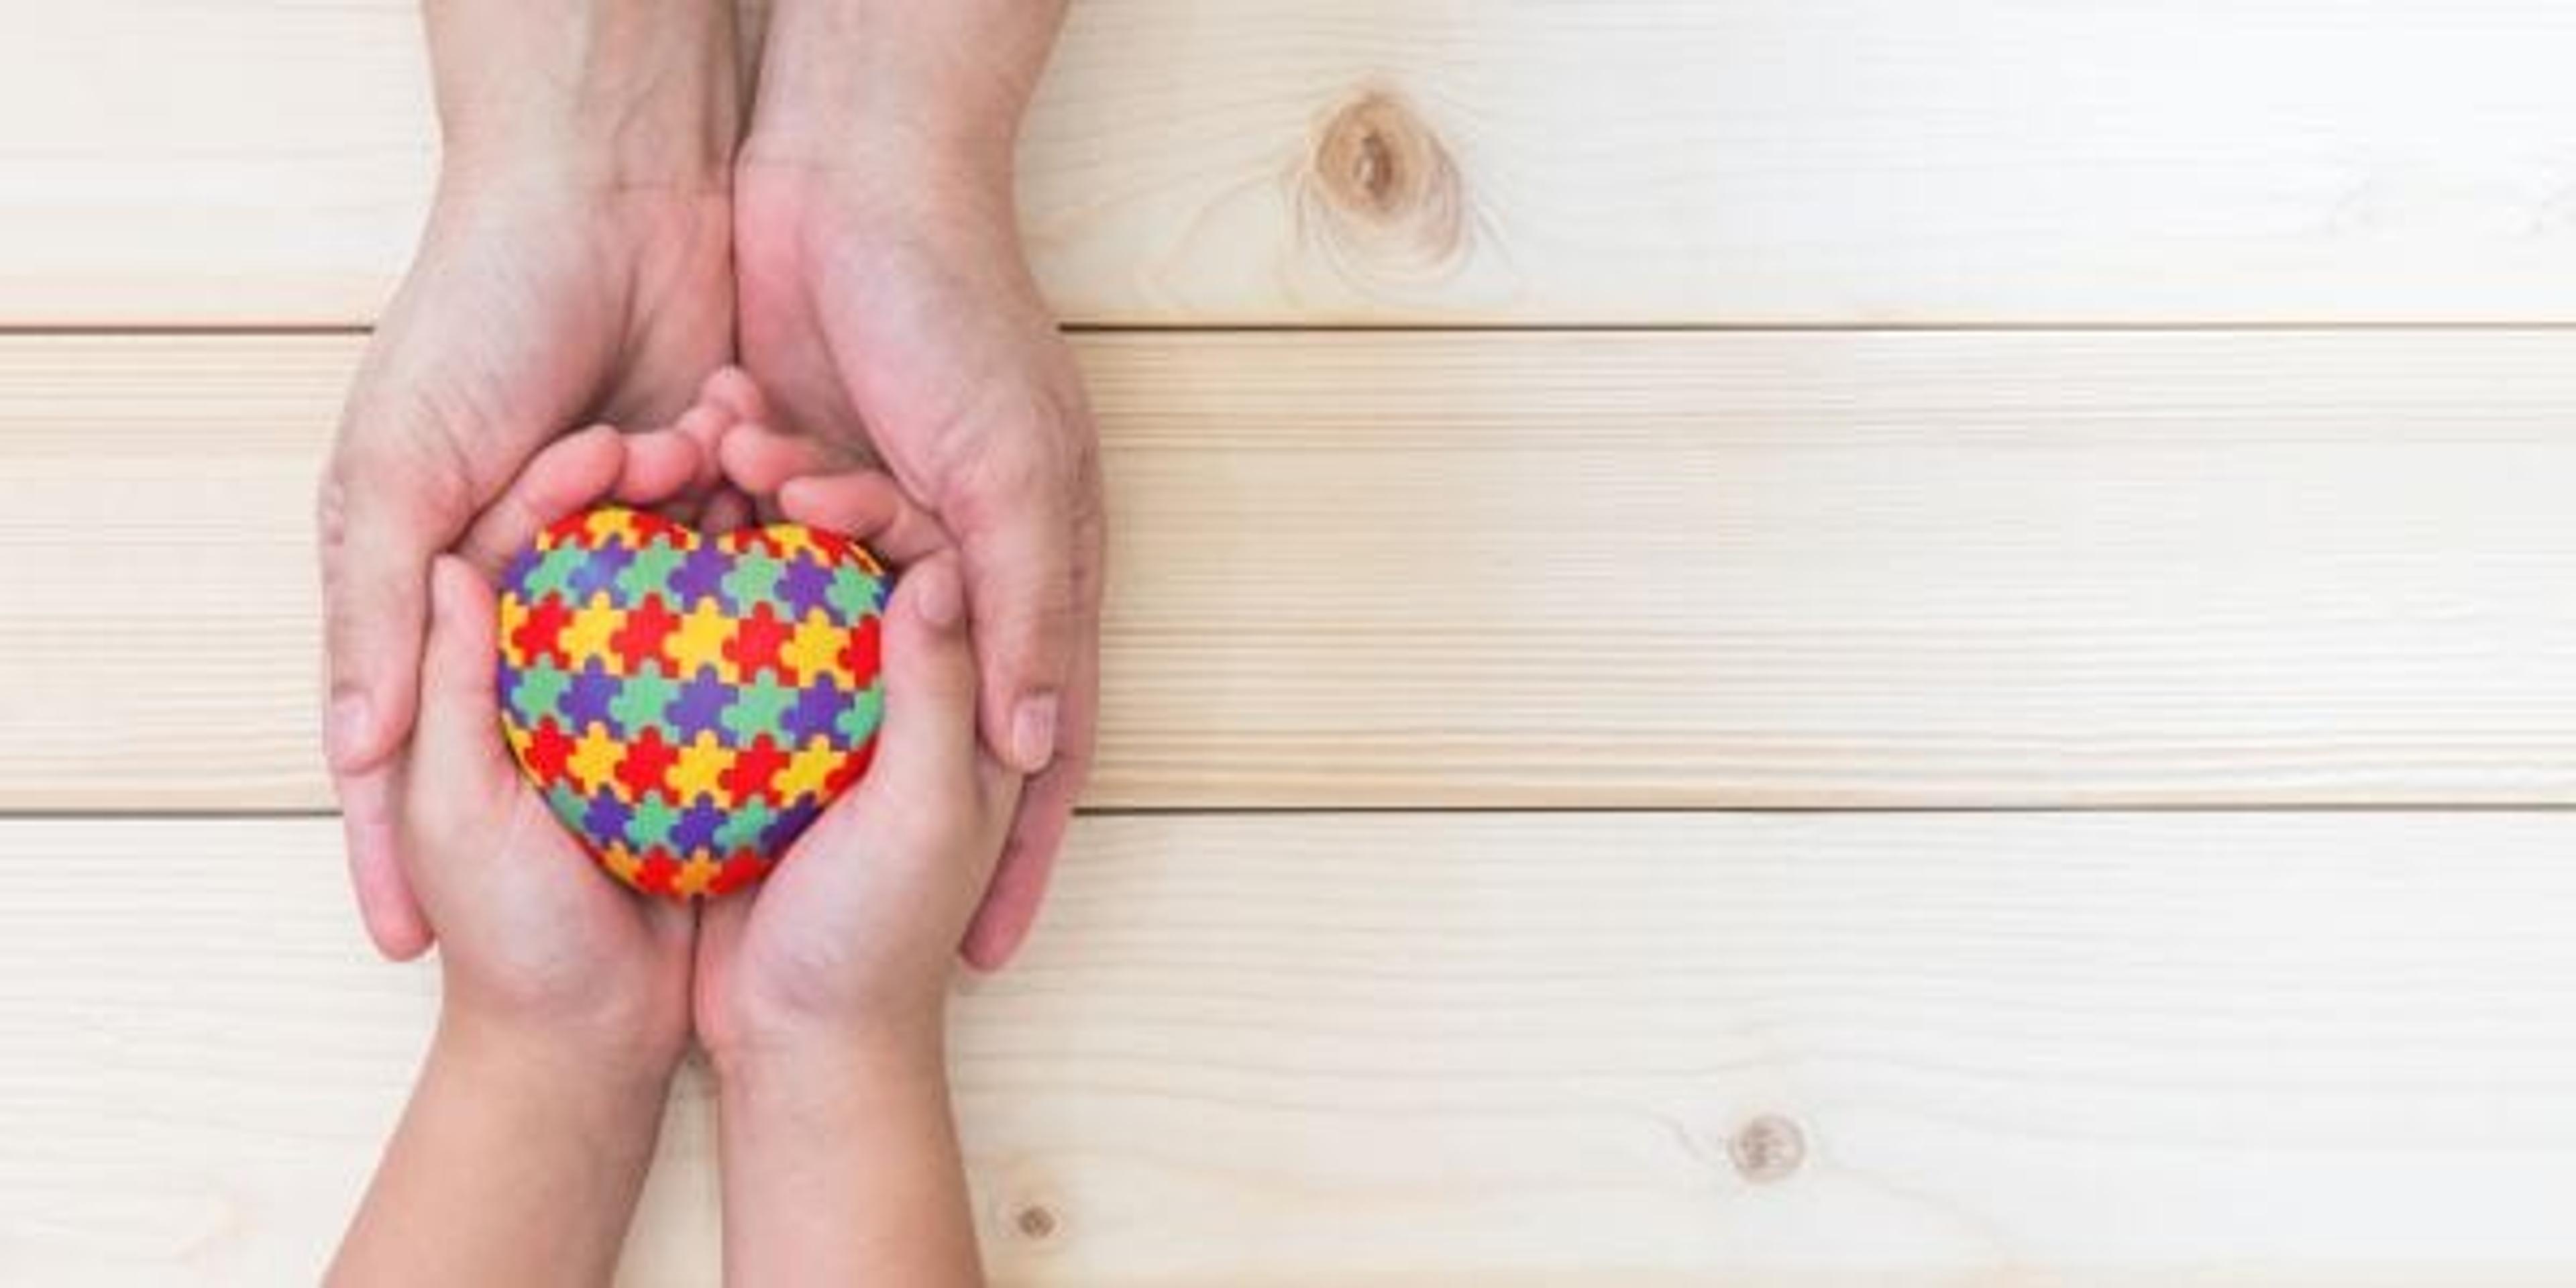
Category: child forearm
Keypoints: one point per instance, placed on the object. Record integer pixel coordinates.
(841, 1166)
(518, 1161)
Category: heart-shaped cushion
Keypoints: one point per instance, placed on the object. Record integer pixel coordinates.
(687, 704)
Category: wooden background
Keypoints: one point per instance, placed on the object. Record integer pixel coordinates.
(1801, 642)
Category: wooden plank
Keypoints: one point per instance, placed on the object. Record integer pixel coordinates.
(1563, 569)
(1422, 1049)
(1408, 160)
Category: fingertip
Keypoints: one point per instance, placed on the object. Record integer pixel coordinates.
(703, 425)
(352, 732)
(937, 594)
(926, 648)
(1033, 731)
(735, 391)
(451, 584)
(395, 925)
(928, 741)
(660, 464)
(759, 459)
(1022, 598)
(573, 470)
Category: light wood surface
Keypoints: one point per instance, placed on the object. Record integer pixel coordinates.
(1416, 1050)
(1870, 161)
(2115, 442)
(1563, 569)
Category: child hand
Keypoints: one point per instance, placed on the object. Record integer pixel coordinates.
(566, 1005)
(852, 937)
(822, 994)
(851, 940)
(534, 941)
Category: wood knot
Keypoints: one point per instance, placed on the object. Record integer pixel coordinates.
(1025, 1216)
(1036, 1222)
(1769, 1148)
(1382, 190)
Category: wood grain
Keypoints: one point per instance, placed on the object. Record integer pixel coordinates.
(1876, 161)
(1416, 1050)
(1982, 569)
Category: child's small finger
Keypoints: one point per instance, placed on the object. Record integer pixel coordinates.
(870, 507)
(660, 465)
(459, 731)
(568, 475)
(732, 391)
(927, 748)
(707, 427)
(759, 459)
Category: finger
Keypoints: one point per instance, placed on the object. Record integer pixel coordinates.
(379, 527)
(394, 921)
(569, 475)
(760, 460)
(1010, 907)
(928, 770)
(661, 464)
(706, 427)
(732, 391)
(1019, 561)
(382, 513)
(870, 507)
(926, 746)
(459, 741)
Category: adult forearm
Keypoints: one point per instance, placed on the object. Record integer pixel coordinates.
(625, 92)
(901, 83)
(841, 1166)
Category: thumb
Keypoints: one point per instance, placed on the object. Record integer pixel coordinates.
(378, 536)
(927, 748)
(1019, 575)
(378, 531)
(459, 736)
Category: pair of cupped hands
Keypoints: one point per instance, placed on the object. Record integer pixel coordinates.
(806, 345)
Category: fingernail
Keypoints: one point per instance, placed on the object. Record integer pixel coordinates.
(943, 605)
(352, 719)
(1033, 733)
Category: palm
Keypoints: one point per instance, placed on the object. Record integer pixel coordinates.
(527, 314)
(883, 328)
(530, 315)
(567, 937)
(909, 332)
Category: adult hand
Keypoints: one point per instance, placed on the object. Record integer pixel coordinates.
(888, 311)
(577, 266)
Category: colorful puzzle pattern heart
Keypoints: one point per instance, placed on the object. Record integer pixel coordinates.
(687, 704)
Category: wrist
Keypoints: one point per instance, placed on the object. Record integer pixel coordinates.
(612, 1058)
(606, 94)
(602, 1096)
(823, 1090)
(841, 1161)
(904, 93)
(770, 1049)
